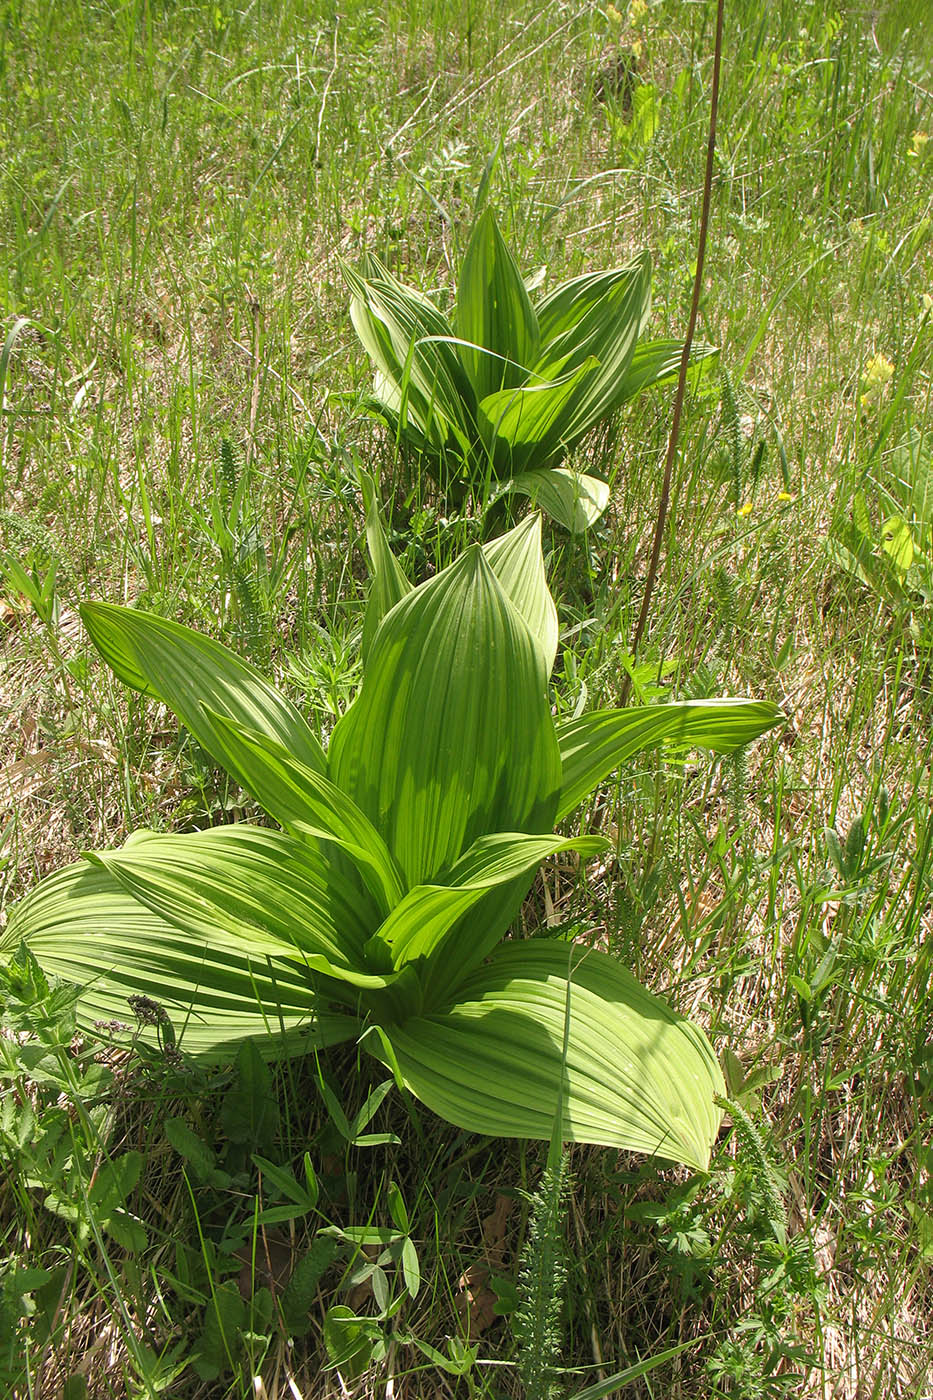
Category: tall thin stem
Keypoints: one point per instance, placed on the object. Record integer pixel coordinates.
(674, 436)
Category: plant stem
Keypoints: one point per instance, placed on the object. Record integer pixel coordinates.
(684, 359)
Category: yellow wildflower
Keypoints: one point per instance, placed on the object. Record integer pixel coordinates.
(744, 510)
(918, 144)
(637, 11)
(878, 374)
(613, 15)
(784, 496)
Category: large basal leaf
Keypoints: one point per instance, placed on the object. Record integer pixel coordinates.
(502, 866)
(636, 1075)
(518, 564)
(308, 804)
(197, 677)
(658, 361)
(493, 311)
(83, 927)
(421, 923)
(598, 316)
(573, 499)
(515, 558)
(531, 424)
(596, 743)
(451, 735)
(590, 310)
(388, 583)
(406, 338)
(266, 892)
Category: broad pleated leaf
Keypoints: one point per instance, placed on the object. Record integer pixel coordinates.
(306, 803)
(83, 927)
(531, 424)
(493, 311)
(486, 923)
(393, 321)
(592, 746)
(196, 676)
(581, 317)
(269, 893)
(636, 1076)
(422, 922)
(451, 735)
(516, 560)
(505, 855)
(573, 499)
(518, 564)
(601, 316)
(522, 411)
(658, 361)
(388, 583)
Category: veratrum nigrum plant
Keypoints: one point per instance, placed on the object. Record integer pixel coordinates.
(379, 911)
(497, 395)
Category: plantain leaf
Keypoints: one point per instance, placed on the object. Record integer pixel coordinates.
(84, 927)
(494, 312)
(518, 564)
(598, 742)
(451, 735)
(306, 803)
(635, 1075)
(273, 895)
(573, 499)
(196, 676)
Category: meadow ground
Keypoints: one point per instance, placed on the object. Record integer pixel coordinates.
(180, 391)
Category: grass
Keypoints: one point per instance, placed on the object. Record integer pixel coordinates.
(179, 181)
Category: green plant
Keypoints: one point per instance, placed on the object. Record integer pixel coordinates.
(498, 395)
(893, 559)
(407, 850)
(541, 1282)
(36, 577)
(57, 1148)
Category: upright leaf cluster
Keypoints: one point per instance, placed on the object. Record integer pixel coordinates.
(379, 908)
(500, 393)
